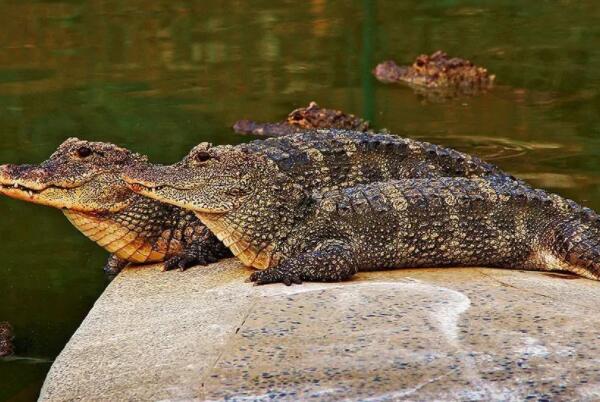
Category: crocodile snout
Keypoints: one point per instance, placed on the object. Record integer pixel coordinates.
(30, 176)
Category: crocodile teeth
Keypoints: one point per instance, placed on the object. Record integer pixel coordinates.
(30, 193)
(15, 185)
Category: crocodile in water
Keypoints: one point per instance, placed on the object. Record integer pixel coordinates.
(437, 76)
(302, 119)
(6, 339)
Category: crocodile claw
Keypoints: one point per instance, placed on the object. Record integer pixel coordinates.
(273, 276)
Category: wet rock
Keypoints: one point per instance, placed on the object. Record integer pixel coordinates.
(417, 334)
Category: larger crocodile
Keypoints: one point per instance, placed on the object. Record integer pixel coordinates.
(437, 76)
(83, 179)
(6, 339)
(261, 202)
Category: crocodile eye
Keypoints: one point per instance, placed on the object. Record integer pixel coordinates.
(84, 152)
(202, 156)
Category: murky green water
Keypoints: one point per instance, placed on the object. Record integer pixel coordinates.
(161, 76)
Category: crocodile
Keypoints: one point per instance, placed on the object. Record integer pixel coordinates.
(298, 227)
(312, 161)
(6, 339)
(310, 117)
(83, 179)
(437, 75)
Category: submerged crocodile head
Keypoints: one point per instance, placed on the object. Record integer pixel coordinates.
(80, 176)
(208, 180)
(436, 71)
(306, 118)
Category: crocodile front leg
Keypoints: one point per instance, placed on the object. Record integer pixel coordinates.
(202, 251)
(114, 265)
(331, 261)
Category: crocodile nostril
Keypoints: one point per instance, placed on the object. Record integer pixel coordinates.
(5, 169)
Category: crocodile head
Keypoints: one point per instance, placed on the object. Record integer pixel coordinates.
(209, 179)
(436, 71)
(240, 195)
(306, 118)
(80, 176)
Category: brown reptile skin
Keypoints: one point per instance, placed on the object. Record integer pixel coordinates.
(437, 76)
(302, 119)
(494, 222)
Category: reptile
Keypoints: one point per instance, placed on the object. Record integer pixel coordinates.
(257, 201)
(83, 179)
(437, 75)
(6, 339)
(301, 119)
(303, 163)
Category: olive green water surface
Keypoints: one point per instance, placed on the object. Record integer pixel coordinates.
(161, 76)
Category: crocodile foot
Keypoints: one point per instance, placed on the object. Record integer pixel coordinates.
(274, 276)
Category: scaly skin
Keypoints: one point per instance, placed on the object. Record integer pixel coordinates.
(494, 222)
(302, 119)
(6, 339)
(438, 75)
(246, 194)
(83, 179)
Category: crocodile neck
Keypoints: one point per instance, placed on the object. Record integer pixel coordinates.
(244, 243)
(115, 237)
(146, 231)
(256, 231)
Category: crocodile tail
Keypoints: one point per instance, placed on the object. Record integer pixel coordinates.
(573, 244)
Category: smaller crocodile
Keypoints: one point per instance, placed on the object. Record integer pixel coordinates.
(6, 339)
(310, 117)
(83, 179)
(438, 75)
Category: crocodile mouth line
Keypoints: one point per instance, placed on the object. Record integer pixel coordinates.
(139, 187)
(31, 192)
(17, 187)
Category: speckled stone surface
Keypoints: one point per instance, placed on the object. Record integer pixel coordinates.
(418, 334)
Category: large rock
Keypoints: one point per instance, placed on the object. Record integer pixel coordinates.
(421, 334)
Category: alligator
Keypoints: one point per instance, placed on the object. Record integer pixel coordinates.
(83, 179)
(310, 117)
(6, 339)
(278, 210)
(313, 161)
(437, 76)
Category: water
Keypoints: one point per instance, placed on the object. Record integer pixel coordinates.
(161, 76)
